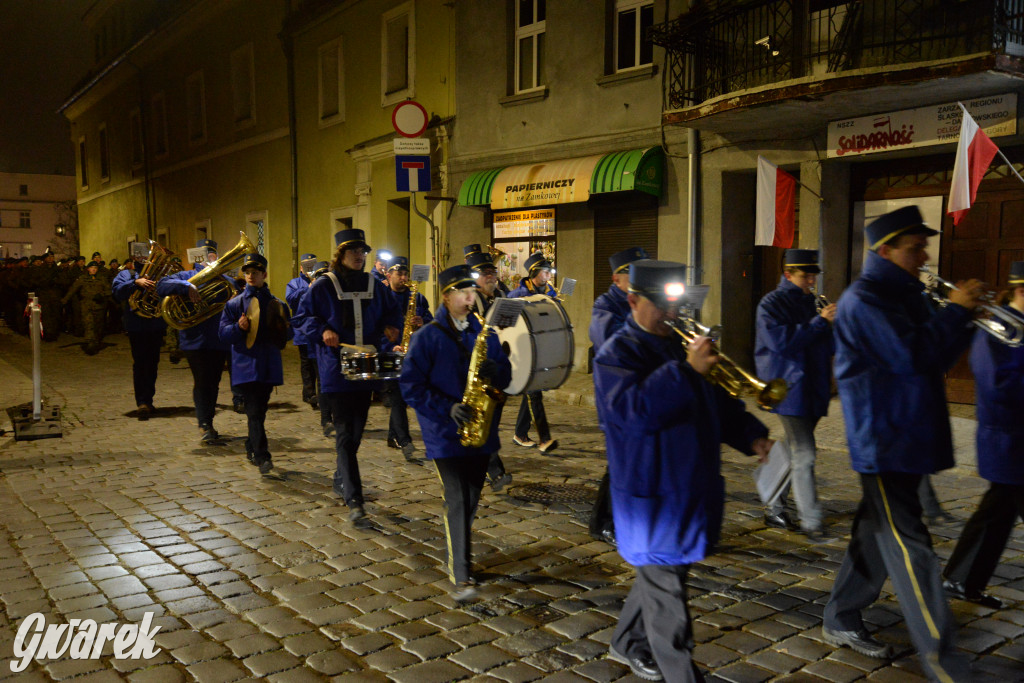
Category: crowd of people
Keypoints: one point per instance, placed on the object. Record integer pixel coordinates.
(660, 404)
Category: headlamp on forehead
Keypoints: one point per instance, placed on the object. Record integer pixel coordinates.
(384, 255)
(475, 275)
(674, 291)
(553, 271)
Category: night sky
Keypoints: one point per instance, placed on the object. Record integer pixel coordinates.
(44, 52)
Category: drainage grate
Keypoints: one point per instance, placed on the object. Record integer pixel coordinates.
(554, 493)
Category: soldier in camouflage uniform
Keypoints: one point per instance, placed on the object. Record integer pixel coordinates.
(93, 291)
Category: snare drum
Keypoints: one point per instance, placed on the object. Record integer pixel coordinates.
(365, 366)
(540, 346)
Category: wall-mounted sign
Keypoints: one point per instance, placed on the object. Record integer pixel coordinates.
(921, 127)
(533, 223)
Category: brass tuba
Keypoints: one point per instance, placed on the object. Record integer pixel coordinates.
(214, 291)
(726, 374)
(145, 302)
(481, 397)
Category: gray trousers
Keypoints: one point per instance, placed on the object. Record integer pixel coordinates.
(802, 451)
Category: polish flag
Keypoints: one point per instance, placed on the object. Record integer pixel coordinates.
(776, 206)
(974, 153)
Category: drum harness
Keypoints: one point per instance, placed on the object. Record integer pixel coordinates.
(357, 310)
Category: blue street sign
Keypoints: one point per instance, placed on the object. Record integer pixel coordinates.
(412, 173)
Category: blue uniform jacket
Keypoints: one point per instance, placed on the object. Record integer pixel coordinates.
(294, 291)
(402, 299)
(434, 378)
(610, 312)
(261, 363)
(122, 288)
(526, 288)
(205, 335)
(321, 310)
(999, 383)
(892, 349)
(795, 343)
(663, 425)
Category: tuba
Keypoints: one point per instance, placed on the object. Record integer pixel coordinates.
(214, 291)
(145, 302)
(481, 397)
(726, 374)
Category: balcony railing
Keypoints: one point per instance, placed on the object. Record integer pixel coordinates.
(729, 46)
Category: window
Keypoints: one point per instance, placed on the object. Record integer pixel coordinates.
(243, 88)
(24, 219)
(530, 25)
(632, 19)
(519, 234)
(332, 83)
(398, 49)
(195, 107)
(22, 190)
(135, 131)
(83, 166)
(159, 125)
(104, 154)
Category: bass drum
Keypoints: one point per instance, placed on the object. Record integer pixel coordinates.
(540, 346)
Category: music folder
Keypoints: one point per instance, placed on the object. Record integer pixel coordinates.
(773, 476)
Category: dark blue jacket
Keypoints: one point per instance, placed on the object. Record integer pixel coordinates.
(402, 299)
(294, 291)
(261, 363)
(205, 335)
(122, 288)
(999, 386)
(321, 310)
(892, 349)
(610, 312)
(434, 378)
(795, 343)
(663, 425)
(527, 288)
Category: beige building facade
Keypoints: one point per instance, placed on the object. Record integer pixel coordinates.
(30, 217)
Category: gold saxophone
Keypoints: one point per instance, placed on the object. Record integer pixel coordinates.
(410, 313)
(145, 302)
(481, 397)
(214, 291)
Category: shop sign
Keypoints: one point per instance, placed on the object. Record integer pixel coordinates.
(533, 223)
(921, 127)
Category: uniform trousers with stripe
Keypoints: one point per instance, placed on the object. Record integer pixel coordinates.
(984, 537)
(889, 540)
(462, 478)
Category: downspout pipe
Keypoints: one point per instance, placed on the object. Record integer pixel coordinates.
(693, 205)
(146, 170)
(289, 53)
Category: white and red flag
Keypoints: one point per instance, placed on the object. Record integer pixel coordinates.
(974, 153)
(776, 206)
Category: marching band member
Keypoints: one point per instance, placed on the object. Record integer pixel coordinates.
(609, 314)
(999, 383)
(398, 287)
(433, 381)
(488, 289)
(891, 353)
(347, 306)
(145, 336)
(380, 264)
(537, 281)
(202, 346)
(794, 342)
(294, 291)
(255, 368)
(663, 424)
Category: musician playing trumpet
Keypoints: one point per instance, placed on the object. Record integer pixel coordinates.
(433, 382)
(794, 342)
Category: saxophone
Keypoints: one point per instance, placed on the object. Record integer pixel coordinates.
(481, 397)
(410, 313)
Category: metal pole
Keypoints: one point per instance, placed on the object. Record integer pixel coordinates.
(693, 204)
(37, 381)
(433, 244)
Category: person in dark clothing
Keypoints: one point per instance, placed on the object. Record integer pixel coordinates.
(295, 290)
(145, 335)
(93, 291)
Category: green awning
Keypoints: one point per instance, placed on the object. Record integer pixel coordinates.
(565, 180)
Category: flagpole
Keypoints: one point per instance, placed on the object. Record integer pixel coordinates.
(822, 199)
(1010, 165)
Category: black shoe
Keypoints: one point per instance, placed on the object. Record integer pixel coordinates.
(940, 517)
(501, 482)
(779, 521)
(250, 455)
(409, 452)
(328, 430)
(393, 442)
(859, 641)
(314, 404)
(266, 466)
(356, 513)
(642, 667)
(608, 536)
(818, 536)
(144, 412)
(240, 407)
(955, 589)
(208, 437)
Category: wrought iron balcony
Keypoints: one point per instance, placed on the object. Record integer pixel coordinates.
(728, 46)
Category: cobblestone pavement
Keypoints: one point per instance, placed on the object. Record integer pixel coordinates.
(264, 578)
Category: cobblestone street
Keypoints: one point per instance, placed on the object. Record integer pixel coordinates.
(264, 578)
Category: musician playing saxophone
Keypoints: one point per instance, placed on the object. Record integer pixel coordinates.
(398, 287)
(145, 336)
(434, 377)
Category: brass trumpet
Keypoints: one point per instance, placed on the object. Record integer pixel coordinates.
(214, 291)
(1005, 327)
(820, 302)
(726, 374)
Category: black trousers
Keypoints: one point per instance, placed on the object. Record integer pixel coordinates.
(348, 410)
(462, 478)
(655, 622)
(495, 467)
(145, 358)
(206, 365)
(257, 396)
(984, 537)
(929, 501)
(601, 515)
(889, 540)
(532, 410)
(310, 374)
(398, 425)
